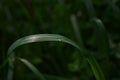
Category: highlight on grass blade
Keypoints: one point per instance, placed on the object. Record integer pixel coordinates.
(32, 68)
(41, 38)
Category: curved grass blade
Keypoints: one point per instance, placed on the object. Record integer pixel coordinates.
(54, 37)
(101, 37)
(96, 68)
(32, 68)
(41, 38)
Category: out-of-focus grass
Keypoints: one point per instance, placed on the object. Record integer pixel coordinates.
(21, 18)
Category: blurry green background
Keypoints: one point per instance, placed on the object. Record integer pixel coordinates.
(19, 18)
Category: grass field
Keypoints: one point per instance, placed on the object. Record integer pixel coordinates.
(59, 40)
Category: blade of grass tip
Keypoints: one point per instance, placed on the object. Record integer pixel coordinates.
(41, 38)
(101, 37)
(76, 30)
(32, 68)
(90, 8)
(95, 68)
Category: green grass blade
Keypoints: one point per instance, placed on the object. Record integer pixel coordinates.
(11, 67)
(41, 38)
(95, 68)
(76, 30)
(32, 68)
(37, 72)
(102, 39)
(54, 37)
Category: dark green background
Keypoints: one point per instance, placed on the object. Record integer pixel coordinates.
(19, 18)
